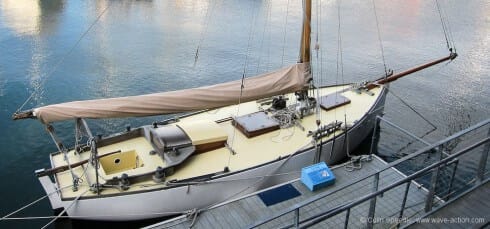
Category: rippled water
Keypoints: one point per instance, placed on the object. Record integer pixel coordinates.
(73, 50)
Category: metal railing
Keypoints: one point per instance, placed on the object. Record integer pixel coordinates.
(440, 175)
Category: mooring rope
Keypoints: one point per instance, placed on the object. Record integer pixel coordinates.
(156, 214)
(6, 217)
(65, 209)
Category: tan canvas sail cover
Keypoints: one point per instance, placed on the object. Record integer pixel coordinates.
(285, 80)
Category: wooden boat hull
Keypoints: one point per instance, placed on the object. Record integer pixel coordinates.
(183, 197)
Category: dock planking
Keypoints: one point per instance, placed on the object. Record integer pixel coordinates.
(249, 209)
(473, 205)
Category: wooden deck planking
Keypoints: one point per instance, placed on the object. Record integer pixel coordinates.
(248, 210)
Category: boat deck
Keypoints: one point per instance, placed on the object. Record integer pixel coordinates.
(248, 210)
(243, 152)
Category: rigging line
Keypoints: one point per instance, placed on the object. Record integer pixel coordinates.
(269, 18)
(322, 72)
(340, 61)
(379, 38)
(249, 43)
(6, 217)
(284, 35)
(266, 24)
(448, 27)
(242, 85)
(317, 45)
(64, 57)
(411, 108)
(444, 26)
(209, 11)
(65, 209)
(317, 48)
(61, 148)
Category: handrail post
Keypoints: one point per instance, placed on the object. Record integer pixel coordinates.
(347, 215)
(296, 218)
(483, 161)
(456, 162)
(372, 206)
(405, 196)
(430, 195)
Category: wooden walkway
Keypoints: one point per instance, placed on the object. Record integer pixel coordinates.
(250, 209)
(465, 212)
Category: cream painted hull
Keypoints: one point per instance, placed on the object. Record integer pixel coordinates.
(177, 199)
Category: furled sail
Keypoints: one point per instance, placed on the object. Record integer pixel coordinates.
(285, 80)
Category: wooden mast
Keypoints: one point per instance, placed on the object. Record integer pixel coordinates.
(304, 55)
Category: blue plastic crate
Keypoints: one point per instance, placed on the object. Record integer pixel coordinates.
(317, 176)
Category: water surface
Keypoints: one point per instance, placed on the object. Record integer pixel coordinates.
(60, 51)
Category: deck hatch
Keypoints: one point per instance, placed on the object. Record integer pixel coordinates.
(255, 124)
(331, 101)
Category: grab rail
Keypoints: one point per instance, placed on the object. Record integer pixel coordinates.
(445, 160)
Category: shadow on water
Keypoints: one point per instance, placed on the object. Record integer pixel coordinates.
(74, 224)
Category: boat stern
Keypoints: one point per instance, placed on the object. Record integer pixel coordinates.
(50, 188)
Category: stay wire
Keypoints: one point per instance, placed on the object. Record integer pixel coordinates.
(318, 63)
(269, 40)
(322, 63)
(266, 25)
(209, 11)
(445, 28)
(249, 44)
(379, 38)
(340, 61)
(448, 27)
(242, 85)
(413, 109)
(284, 35)
(36, 89)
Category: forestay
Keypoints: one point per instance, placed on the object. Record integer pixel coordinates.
(285, 80)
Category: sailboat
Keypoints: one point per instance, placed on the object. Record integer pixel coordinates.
(234, 138)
